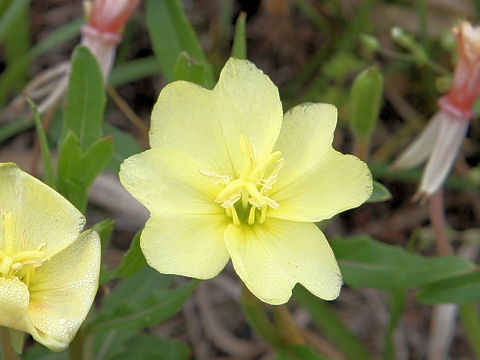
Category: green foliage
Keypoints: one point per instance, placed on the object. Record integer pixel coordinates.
(380, 193)
(327, 321)
(365, 262)
(132, 261)
(85, 99)
(298, 352)
(365, 101)
(140, 301)
(239, 48)
(77, 171)
(134, 70)
(461, 289)
(171, 34)
(48, 173)
(146, 347)
(187, 69)
(124, 145)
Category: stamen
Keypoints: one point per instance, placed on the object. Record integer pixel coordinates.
(251, 216)
(263, 216)
(213, 176)
(235, 219)
(229, 202)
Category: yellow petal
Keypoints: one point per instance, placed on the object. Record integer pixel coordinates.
(41, 216)
(62, 291)
(306, 136)
(184, 118)
(338, 183)
(186, 245)
(273, 257)
(248, 104)
(14, 298)
(169, 182)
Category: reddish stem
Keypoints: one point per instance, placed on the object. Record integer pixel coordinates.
(438, 221)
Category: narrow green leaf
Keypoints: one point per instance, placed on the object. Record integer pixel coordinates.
(298, 352)
(380, 193)
(85, 99)
(134, 70)
(258, 320)
(14, 127)
(459, 289)
(397, 301)
(96, 159)
(12, 13)
(17, 338)
(132, 261)
(17, 42)
(171, 33)
(186, 69)
(239, 48)
(326, 320)
(365, 262)
(104, 229)
(48, 173)
(471, 323)
(365, 101)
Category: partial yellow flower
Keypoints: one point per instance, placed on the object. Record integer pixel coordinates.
(230, 176)
(48, 270)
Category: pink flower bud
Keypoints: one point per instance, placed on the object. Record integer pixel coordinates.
(466, 80)
(110, 16)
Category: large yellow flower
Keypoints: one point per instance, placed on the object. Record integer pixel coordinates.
(48, 270)
(230, 176)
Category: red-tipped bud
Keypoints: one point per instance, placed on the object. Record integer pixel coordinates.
(110, 16)
(466, 79)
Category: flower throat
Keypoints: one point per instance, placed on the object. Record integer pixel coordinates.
(14, 261)
(246, 199)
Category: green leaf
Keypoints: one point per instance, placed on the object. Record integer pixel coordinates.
(124, 146)
(327, 321)
(139, 301)
(186, 69)
(85, 99)
(76, 172)
(380, 193)
(171, 33)
(365, 262)
(459, 289)
(397, 306)
(17, 41)
(134, 70)
(298, 352)
(11, 14)
(132, 261)
(40, 352)
(48, 173)
(365, 101)
(14, 127)
(239, 48)
(258, 320)
(104, 229)
(147, 347)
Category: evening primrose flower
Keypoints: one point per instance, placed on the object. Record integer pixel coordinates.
(228, 176)
(441, 139)
(49, 271)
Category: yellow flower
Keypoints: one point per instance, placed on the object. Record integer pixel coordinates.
(49, 271)
(230, 176)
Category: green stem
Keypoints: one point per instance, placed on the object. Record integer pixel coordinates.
(77, 347)
(8, 352)
(469, 316)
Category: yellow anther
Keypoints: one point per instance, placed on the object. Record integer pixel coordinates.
(235, 219)
(230, 201)
(249, 158)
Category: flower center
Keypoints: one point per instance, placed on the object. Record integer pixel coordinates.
(14, 261)
(246, 199)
